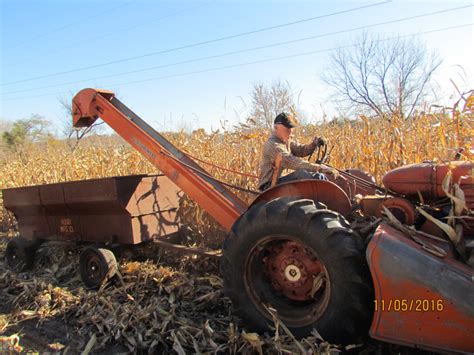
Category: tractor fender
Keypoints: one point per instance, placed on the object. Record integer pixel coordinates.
(421, 299)
(318, 190)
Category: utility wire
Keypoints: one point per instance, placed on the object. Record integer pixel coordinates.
(71, 24)
(232, 52)
(250, 63)
(279, 58)
(197, 43)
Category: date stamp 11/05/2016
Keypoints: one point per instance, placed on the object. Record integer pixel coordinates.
(408, 305)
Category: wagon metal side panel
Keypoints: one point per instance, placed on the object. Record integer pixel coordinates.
(25, 203)
(101, 215)
(420, 299)
(61, 223)
(153, 208)
(125, 209)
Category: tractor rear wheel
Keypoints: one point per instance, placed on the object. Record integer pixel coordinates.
(305, 263)
(97, 265)
(20, 254)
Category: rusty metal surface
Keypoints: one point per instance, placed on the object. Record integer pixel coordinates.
(318, 190)
(25, 203)
(426, 178)
(430, 297)
(85, 110)
(369, 204)
(216, 254)
(153, 208)
(293, 269)
(400, 207)
(440, 246)
(429, 227)
(127, 209)
(352, 186)
(467, 186)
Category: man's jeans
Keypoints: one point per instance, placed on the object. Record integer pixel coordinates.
(299, 174)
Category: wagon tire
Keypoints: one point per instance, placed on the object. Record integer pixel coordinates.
(20, 254)
(340, 307)
(97, 265)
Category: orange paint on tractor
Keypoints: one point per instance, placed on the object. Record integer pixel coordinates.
(431, 310)
(318, 190)
(427, 178)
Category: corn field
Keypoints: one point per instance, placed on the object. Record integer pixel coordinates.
(162, 308)
(374, 145)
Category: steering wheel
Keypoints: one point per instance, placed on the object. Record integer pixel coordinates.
(322, 154)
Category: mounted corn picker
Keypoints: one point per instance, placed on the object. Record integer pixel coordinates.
(345, 257)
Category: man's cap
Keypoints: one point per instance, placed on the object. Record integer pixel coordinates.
(286, 120)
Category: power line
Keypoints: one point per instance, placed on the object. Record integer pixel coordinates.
(250, 63)
(279, 58)
(198, 43)
(71, 24)
(235, 52)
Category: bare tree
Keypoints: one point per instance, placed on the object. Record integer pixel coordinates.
(382, 76)
(269, 101)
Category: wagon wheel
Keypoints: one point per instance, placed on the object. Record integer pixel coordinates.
(20, 254)
(97, 265)
(305, 263)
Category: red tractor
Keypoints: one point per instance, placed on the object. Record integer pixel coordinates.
(294, 249)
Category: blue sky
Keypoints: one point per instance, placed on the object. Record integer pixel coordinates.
(41, 38)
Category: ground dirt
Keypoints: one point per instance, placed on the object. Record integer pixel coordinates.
(161, 303)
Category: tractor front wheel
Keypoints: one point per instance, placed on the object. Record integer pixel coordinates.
(303, 262)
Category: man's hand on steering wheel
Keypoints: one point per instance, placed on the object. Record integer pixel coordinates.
(320, 147)
(319, 142)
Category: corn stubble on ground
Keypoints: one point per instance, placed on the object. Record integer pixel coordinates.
(169, 302)
(178, 307)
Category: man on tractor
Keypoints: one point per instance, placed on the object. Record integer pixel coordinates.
(279, 144)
